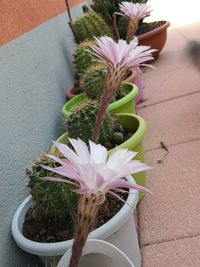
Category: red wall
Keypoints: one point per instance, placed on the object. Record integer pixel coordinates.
(20, 16)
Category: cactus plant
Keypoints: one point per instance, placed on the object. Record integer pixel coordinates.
(54, 199)
(81, 121)
(92, 82)
(89, 25)
(83, 59)
(106, 8)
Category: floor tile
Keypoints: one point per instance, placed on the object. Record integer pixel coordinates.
(177, 253)
(173, 122)
(191, 31)
(168, 61)
(170, 85)
(174, 211)
(175, 40)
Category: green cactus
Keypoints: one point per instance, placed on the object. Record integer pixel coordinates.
(55, 199)
(106, 8)
(89, 25)
(81, 121)
(83, 59)
(92, 82)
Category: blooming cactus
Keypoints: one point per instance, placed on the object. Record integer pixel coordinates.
(120, 58)
(95, 174)
(120, 54)
(92, 171)
(134, 12)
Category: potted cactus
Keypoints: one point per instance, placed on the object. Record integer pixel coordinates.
(134, 127)
(153, 34)
(108, 8)
(124, 104)
(92, 172)
(91, 119)
(131, 22)
(84, 29)
(88, 26)
(50, 190)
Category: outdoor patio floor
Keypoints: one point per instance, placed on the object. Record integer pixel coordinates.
(169, 221)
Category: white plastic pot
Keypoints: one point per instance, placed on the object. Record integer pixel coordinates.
(99, 253)
(119, 231)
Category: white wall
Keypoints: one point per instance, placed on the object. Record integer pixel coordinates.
(35, 71)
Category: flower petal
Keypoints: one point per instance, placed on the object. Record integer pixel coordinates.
(119, 158)
(81, 150)
(58, 180)
(134, 10)
(125, 184)
(64, 171)
(67, 152)
(98, 153)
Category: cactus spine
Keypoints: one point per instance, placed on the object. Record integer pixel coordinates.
(81, 121)
(83, 59)
(89, 25)
(55, 199)
(92, 82)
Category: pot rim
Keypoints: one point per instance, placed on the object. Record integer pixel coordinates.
(153, 32)
(129, 97)
(100, 247)
(112, 106)
(135, 139)
(59, 248)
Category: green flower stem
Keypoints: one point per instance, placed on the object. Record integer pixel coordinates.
(85, 221)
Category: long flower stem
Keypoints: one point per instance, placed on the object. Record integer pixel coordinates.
(85, 220)
(113, 81)
(115, 26)
(132, 28)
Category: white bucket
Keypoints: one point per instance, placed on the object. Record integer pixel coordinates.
(98, 253)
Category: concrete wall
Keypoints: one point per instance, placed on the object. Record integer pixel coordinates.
(35, 71)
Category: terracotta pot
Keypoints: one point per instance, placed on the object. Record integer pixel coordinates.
(155, 38)
(71, 92)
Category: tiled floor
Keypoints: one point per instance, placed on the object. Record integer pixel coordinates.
(169, 221)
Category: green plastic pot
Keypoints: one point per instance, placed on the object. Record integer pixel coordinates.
(124, 105)
(135, 143)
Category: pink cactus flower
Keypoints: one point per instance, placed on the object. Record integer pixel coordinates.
(120, 54)
(121, 58)
(134, 11)
(95, 174)
(92, 170)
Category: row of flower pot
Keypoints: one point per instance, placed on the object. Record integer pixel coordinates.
(116, 238)
(121, 227)
(125, 110)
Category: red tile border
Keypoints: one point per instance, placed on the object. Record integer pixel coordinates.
(18, 17)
